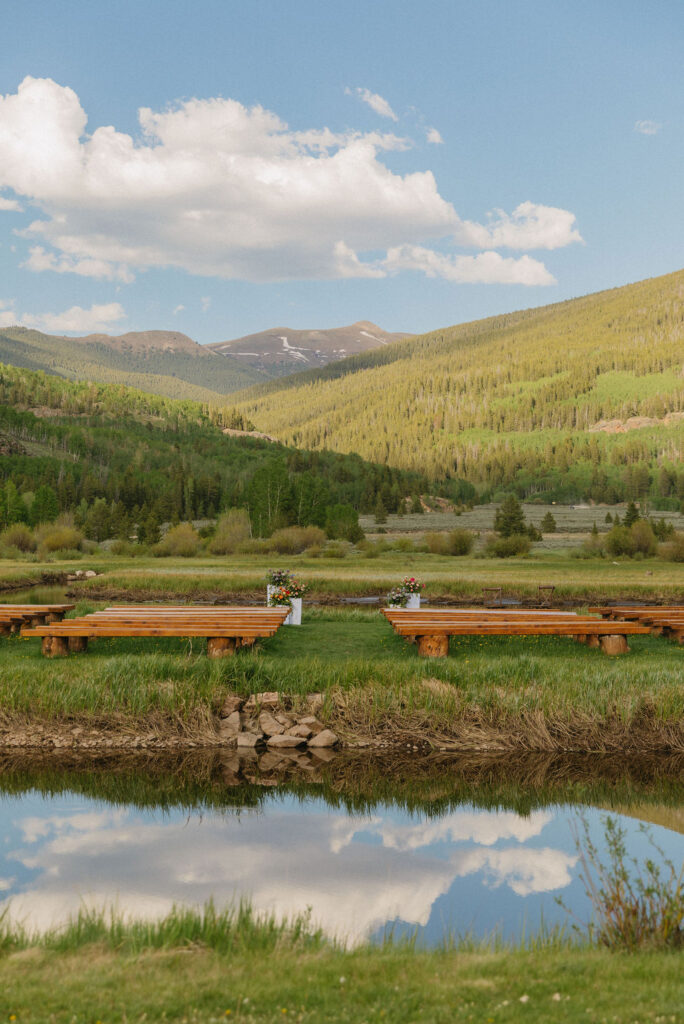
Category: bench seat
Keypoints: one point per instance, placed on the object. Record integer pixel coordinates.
(225, 629)
(431, 628)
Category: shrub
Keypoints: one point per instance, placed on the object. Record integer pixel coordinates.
(232, 530)
(461, 542)
(123, 547)
(632, 540)
(18, 536)
(404, 544)
(506, 547)
(438, 543)
(292, 540)
(635, 906)
(643, 538)
(59, 536)
(336, 549)
(619, 541)
(673, 551)
(181, 541)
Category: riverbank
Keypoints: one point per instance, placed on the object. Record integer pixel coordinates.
(492, 693)
(236, 967)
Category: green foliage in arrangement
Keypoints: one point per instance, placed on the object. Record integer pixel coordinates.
(124, 462)
(526, 402)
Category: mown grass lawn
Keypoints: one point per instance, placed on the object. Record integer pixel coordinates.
(196, 984)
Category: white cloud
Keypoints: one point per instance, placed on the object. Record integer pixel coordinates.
(222, 190)
(8, 318)
(354, 887)
(485, 268)
(40, 259)
(76, 319)
(179, 308)
(530, 226)
(432, 135)
(647, 127)
(9, 204)
(377, 103)
(205, 303)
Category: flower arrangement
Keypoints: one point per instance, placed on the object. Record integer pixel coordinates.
(280, 596)
(411, 585)
(278, 577)
(286, 593)
(397, 597)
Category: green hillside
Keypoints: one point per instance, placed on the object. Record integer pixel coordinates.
(127, 454)
(192, 372)
(524, 400)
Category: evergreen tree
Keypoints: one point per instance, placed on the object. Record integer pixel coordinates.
(631, 514)
(609, 518)
(45, 507)
(380, 511)
(416, 505)
(548, 523)
(509, 519)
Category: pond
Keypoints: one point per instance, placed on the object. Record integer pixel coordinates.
(434, 871)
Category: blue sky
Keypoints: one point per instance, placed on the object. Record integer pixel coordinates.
(307, 165)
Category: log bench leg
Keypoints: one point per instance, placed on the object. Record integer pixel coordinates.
(220, 646)
(614, 643)
(55, 646)
(593, 640)
(78, 644)
(433, 646)
(54, 616)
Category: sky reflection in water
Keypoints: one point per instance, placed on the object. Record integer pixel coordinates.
(469, 870)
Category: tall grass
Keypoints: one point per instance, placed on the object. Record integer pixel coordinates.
(636, 906)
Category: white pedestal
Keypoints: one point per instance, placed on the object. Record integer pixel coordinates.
(295, 616)
(270, 589)
(413, 601)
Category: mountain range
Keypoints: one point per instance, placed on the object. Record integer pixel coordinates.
(172, 364)
(580, 398)
(281, 350)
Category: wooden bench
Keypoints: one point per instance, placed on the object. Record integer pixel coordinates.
(225, 629)
(14, 616)
(663, 620)
(432, 627)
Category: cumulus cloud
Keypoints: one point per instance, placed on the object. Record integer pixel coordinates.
(485, 268)
(354, 887)
(179, 309)
(647, 127)
(76, 319)
(219, 189)
(376, 102)
(530, 226)
(40, 259)
(9, 204)
(205, 303)
(433, 136)
(7, 315)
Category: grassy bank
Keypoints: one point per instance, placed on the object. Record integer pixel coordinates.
(535, 693)
(233, 967)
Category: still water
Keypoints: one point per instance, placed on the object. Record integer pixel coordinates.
(464, 870)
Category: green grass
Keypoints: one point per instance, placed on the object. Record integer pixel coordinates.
(374, 681)
(215, 967)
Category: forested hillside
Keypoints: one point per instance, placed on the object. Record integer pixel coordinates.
(116, 456)
(582, 399)
(161, 362)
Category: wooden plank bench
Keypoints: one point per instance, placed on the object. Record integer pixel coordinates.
(431, 628)
(224, 629)
(663, 620)
(14, 616)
